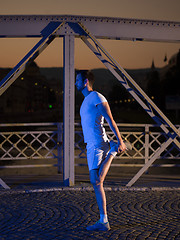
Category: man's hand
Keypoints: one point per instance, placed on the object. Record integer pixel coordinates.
(121, 147)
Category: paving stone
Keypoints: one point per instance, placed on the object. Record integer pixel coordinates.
(64, 214)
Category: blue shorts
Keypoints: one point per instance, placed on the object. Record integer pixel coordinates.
(96, 153)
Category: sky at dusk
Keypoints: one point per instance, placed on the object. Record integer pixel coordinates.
(128, 54)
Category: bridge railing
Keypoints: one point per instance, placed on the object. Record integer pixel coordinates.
(44, 141)
(145, 140)
(30, 141)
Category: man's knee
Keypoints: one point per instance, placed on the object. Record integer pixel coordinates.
(94, 178)
(96, 182)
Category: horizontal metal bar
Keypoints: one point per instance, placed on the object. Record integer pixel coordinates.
(141, 165)
(166, 165)
(132, 125)
(102, 27)
(29, 166)
(28, 132)
(28, 158)
(84, 165)
(132, 165)
(27, 124)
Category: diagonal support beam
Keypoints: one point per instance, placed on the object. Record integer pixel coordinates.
(140, 96)
(150, 162)
(3, 184)
(47, 38)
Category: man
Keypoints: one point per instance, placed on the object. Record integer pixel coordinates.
(93, 111)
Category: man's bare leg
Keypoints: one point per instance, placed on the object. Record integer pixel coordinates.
(97, 177)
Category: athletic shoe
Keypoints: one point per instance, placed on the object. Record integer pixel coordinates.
(98, 226)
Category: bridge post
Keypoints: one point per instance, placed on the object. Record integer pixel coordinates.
(68, 127)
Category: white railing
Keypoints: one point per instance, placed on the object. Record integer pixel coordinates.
(30, 141)
(44, 141)
(145, 140)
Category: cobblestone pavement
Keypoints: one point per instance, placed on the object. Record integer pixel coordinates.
(64, 214)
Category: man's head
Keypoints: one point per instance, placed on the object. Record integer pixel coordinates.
(82, 78)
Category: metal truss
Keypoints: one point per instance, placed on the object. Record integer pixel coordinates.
(47, 38)
(74, 26)
(138, 94)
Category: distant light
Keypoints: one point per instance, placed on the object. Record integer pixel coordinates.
(36, 84)
(129, 100)
(50, 106)
(152, 97)
(22, 78)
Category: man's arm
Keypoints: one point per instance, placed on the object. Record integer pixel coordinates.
(105, 110)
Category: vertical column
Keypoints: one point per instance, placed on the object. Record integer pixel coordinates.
(146, 144)
(68, 126)
(59, 146)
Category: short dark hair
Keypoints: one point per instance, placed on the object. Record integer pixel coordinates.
(86, 74)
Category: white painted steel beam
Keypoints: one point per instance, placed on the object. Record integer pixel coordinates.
(69, 100)
(3, 184)
(102, 27)
(140, 96)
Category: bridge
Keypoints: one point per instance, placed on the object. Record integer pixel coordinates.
(90, 29)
